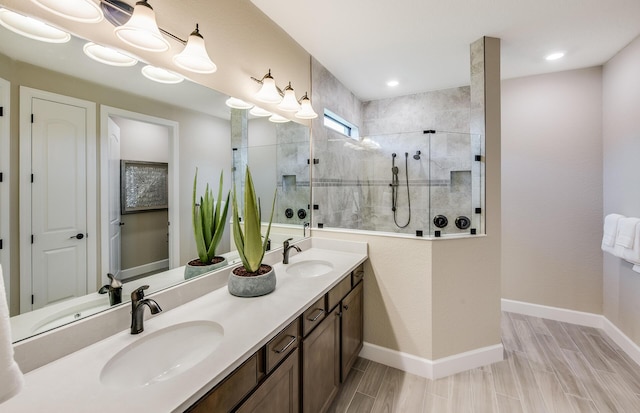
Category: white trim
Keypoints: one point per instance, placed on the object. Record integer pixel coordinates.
(26, 96)
(576, 317)
(142, 269)
(174, 190)
(433, 369)
(553, 313)
(5, 168)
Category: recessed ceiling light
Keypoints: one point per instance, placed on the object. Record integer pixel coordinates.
(84, 11)
(393, 83)
(108, 55)
(158, 74)
(555, 56)
(32, 28)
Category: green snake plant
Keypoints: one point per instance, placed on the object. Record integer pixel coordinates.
(208, 221)
(250, 244)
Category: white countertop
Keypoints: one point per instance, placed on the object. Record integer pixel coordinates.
(72, 383)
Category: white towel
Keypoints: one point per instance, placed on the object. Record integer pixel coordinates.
(610, 231)
(625, 236)
(10, 374)
(633, 254)
(636, 268)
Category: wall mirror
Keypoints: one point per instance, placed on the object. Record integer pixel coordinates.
(184, 125)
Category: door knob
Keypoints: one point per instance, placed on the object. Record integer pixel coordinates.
(121, 224)
(78, 236)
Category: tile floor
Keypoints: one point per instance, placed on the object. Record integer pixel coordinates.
(549, 367)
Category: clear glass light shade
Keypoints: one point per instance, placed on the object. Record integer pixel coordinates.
(259, 112)
(84, 11)
(268, 93)
(289, 102)
(32, 28)
(142, 31)
(238, 103)
(275, 118)
(306, 111)
(158, 74)
(194, 57)
(108, 55)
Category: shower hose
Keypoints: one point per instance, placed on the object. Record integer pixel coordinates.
(395, 183)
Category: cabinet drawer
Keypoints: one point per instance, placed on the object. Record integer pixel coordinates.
(313, 316)
(233, 389)
(357, 275)
(281, 345)
(338, 292)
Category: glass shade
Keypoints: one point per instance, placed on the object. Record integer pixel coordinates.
(306, 111)
(275, 118)
(268, 93)
(141, 30)
(289, 102)
(84, 11)
(238, 103)
(194, 57)
(32, 28)
(108, 55)
(259, 112)
(158, 74)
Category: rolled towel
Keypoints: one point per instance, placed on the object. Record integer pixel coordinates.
(633, 254)
(610, 231)
(10, 374)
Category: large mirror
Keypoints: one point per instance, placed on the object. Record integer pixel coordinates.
(181, 126)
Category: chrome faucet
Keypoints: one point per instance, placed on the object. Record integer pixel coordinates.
(138, 302)
(287, 248)
(304, 229)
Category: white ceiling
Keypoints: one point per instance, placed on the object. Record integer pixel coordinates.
(424, 44)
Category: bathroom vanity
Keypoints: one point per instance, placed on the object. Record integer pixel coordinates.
(220, 352)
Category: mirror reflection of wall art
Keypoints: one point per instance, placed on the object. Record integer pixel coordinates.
(143, 186)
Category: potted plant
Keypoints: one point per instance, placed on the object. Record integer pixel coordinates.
(209, 218)
(252, 278)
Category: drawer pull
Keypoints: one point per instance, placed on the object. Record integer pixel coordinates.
(320, 313)
(283, 349)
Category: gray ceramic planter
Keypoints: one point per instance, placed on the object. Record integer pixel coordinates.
(191, 271)
(252, 286)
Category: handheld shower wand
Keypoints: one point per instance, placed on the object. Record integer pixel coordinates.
(395, 183)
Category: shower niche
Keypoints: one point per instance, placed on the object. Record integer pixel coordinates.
(425, 182)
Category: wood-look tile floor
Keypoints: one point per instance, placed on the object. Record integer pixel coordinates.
(549, 367)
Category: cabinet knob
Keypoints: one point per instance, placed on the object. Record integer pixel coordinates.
(346, 307)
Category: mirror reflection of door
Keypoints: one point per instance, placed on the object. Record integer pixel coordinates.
(143, 247)
(56, 182)
(4, 187)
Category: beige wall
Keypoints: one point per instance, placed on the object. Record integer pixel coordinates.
(621, 124)
(552, 189)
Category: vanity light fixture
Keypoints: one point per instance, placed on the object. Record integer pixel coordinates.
(158, 74)
(141, 30)
(275, 118)
(108, 55)
(194, 57)
(306, 110)
(289, 102)
(32, 28)
(259, 112)
(238, 103)
(84, 11)
(269, 92)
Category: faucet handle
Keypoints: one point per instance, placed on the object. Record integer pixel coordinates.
(138, 293)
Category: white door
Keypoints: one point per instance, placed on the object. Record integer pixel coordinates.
(115, 263)
(4, 185)
(58, 202)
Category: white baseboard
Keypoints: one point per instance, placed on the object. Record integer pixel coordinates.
(576, 317)
(433, 369)
(141, 269)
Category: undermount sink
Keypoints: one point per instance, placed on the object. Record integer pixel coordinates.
(309, 268)
(162, 355)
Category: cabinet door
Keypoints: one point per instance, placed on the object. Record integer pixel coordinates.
(321, 364)
(279, 393)
(352, 334)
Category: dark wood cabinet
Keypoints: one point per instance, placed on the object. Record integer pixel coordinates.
(352, 332)
(321, 364)
(279, 393)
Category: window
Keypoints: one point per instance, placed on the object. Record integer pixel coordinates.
(338, 124)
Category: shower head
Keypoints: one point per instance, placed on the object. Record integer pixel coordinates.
(417, 155)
